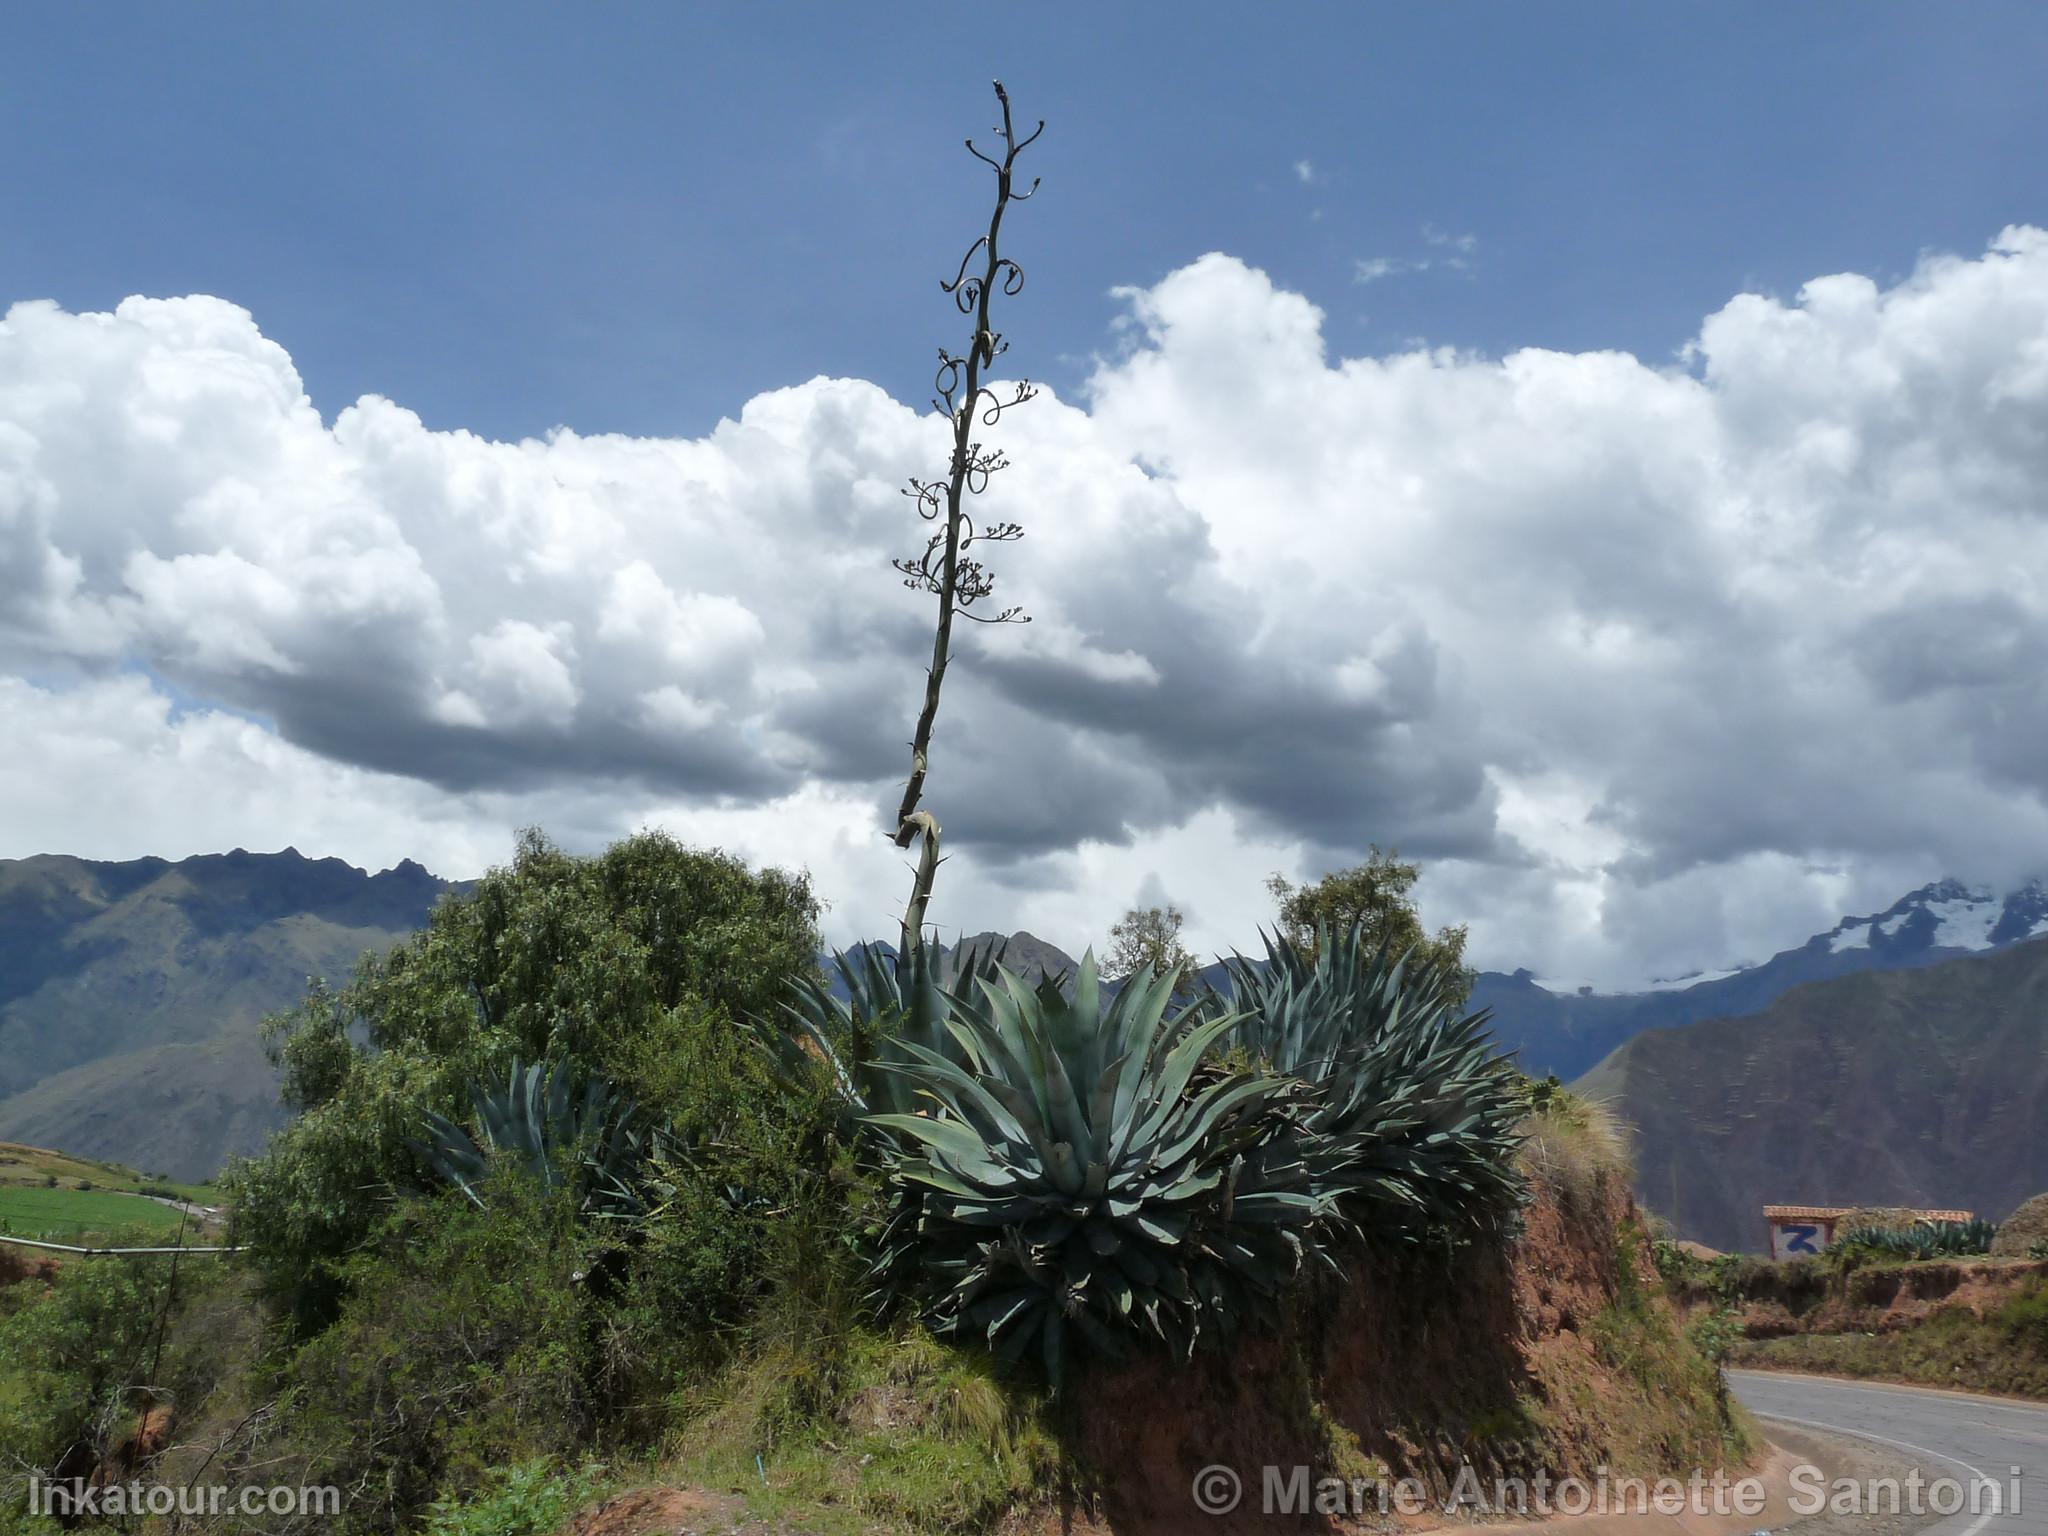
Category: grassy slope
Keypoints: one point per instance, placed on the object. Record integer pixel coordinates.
(1916, 1087)
(88, 1198)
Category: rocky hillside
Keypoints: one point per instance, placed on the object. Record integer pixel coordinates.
(1557, 1029)
(1919, 1087)
(130, 993)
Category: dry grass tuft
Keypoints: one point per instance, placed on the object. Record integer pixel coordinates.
(1574, 1144)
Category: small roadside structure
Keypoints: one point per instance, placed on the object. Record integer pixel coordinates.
(1809, 1229)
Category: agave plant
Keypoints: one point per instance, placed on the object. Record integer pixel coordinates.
(1412, 1109)
(893, 1002)
(554, 1133)
(1074, 1176)
(1922, 1240)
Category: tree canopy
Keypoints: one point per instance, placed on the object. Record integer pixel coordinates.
(1378, 895)
(635, 963)
(1147, 940)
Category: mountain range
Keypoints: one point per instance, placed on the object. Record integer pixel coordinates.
(1896, 1058)
(1567, 1032)
(131, 993)
(1924, 1087)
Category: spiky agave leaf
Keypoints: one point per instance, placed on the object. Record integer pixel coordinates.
(892, 1002)
(1077, 1181)
(1413, 1109)
(536, 1119)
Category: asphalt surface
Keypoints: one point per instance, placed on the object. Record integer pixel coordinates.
(1950, 1434)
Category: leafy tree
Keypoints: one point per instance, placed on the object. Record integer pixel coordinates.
(1376, 895)
(1146, 939)
(636, 963)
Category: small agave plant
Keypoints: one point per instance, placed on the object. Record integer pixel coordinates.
(1924, 1240)
(551, 1131)
(1412, 1108)
(1074, 1178)
(892, 1003)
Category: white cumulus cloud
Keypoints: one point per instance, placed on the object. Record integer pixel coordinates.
(1656, 667)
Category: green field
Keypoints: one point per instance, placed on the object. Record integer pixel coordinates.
(64, 1215)
(22, 1166)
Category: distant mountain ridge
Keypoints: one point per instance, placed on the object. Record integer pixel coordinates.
(1570, 1032)
(130, 992)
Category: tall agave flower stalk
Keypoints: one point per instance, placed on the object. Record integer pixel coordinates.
(1412, 1108)
(945, 568)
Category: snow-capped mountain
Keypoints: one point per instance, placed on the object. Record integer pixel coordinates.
(1567, 1032)
(1947, 917)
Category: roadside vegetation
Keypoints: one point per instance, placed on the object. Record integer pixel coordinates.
(2003, 1349)
(1923, 1302)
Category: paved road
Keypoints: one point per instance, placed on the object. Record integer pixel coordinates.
(1961, 1435)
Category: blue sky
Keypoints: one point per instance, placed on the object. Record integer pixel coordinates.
(634, 217)
(1654, 669)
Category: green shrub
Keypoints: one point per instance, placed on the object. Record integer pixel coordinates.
(529, 1499)
(1079, 1177)
(2024, 1317)
(582, 1138)
(635, 963)
(1714, 1333)
(462, 1346)
(1412, 1113)
(75, 1356)
(1923, 1240)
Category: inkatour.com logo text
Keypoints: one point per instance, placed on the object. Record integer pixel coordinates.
(78, 1499)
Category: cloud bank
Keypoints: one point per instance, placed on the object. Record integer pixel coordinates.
(1656, 667)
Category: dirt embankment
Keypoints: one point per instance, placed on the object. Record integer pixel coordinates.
(18, 1264)
(1976, 1323)
(1881, 1298)
(1556, 1356)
